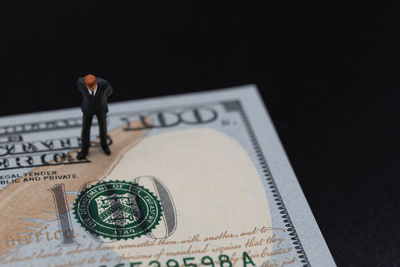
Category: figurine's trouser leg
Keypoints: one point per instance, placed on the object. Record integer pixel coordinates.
(85, 134)
(102, 120)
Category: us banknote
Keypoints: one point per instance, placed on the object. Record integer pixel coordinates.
(193, 180)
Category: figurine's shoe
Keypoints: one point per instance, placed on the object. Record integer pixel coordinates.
(81, 155)
(106, 150)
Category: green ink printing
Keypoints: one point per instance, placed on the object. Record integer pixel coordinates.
(117, 210)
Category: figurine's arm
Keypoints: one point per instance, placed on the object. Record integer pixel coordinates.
(109, 90)
(80, 85)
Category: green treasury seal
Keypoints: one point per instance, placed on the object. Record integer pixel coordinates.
(117, 210)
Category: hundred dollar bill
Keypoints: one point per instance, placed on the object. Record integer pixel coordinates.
(193, 180)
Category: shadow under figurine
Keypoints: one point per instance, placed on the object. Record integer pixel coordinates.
(95, 93)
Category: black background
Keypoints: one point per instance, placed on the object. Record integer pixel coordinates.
(328, 75)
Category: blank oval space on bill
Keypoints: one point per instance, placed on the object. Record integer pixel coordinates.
(213, 182)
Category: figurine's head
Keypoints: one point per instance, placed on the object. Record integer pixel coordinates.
(90, 81)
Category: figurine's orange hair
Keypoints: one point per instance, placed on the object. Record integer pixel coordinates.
(90, 80)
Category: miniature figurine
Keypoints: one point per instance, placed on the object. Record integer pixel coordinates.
(95, 93)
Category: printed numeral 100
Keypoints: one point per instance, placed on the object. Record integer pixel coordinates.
(64, 219)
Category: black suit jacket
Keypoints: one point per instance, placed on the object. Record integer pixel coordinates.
(98, 104)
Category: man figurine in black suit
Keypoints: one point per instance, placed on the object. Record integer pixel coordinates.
(95, 93)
